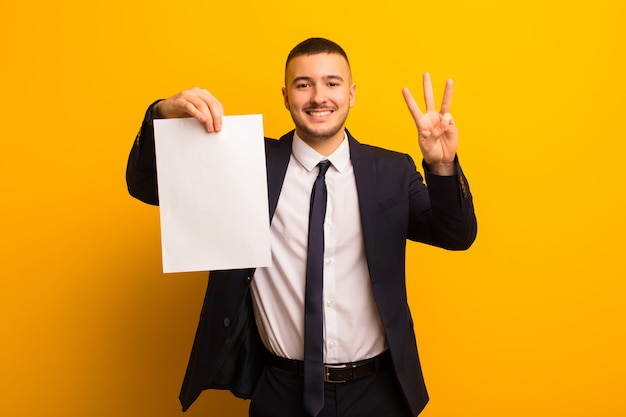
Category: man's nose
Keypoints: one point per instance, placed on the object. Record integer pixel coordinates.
(318, 97)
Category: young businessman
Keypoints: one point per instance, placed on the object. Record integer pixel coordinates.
(326, 330)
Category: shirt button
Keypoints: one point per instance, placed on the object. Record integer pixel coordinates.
(329, 303)
(331, 345)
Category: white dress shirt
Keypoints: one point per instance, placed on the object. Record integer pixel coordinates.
(352, 327)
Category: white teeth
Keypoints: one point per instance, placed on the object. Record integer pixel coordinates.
(319, 113)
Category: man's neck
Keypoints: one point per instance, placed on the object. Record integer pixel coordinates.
(324, 146)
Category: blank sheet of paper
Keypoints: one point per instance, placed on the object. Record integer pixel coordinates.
(212, 194)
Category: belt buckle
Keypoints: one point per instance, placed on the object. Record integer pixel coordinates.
(327, 369)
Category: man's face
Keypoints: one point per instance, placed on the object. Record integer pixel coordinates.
(318, 93)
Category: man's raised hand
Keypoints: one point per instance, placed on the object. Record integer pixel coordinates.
(437, 133)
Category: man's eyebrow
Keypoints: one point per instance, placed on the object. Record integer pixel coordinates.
(302, 78)
(325, 77)
(333, 77)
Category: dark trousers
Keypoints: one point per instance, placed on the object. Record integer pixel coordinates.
(279, 394)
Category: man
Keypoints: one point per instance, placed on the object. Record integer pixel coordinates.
(258, 328)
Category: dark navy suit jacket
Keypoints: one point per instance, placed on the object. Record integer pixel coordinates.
(395, 205)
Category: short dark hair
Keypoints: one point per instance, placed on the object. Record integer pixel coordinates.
(314, 46)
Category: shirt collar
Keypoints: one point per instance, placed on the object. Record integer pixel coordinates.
(309, 157)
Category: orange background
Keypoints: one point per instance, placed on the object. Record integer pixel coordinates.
(529, 322)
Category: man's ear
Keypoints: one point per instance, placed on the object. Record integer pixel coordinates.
(286, 98)
(352, 94)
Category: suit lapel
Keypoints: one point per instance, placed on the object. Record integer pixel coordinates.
(365, 176)
(277, 153)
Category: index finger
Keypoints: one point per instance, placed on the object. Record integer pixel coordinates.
(412, 105)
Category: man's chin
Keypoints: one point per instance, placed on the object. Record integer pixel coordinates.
(317, 138)
(318, 135)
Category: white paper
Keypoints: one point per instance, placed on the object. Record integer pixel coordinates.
(212, 194)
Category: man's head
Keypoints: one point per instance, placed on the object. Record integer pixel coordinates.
(319, 92)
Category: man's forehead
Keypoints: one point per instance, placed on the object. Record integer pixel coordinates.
(319, 65)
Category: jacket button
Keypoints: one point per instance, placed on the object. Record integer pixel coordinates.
(226, 322)
(248, 279)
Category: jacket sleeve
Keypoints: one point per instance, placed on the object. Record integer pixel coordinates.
(141, 177)
(450, 222)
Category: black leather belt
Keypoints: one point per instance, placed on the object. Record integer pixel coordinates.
(336, 373)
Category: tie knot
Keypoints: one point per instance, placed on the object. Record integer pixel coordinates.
(324, 165)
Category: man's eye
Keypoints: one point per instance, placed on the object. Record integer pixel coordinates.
(303, 85)
(333, 84)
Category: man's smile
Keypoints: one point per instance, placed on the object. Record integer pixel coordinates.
(319, 113)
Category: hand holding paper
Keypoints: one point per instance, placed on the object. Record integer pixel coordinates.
(194, 102)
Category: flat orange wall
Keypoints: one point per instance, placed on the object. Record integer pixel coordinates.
(529, 322)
